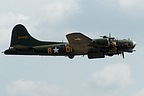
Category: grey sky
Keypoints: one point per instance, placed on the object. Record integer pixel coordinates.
(60, 76)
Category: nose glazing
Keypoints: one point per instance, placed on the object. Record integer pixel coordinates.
(134, 44)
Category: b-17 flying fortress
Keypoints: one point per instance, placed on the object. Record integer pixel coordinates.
(22, 43)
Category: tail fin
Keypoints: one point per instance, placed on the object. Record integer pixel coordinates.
(20, 36)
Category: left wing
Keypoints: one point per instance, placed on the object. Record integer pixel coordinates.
(79, 42)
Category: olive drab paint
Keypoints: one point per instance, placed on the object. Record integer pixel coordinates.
(22, 43)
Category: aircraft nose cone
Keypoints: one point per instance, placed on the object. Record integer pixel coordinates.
(134, 43)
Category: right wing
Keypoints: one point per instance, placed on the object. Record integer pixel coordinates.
(79, 42)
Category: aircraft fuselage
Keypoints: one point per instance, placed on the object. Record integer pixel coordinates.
(22, 43)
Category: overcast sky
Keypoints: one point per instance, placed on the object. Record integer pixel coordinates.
(51, 20)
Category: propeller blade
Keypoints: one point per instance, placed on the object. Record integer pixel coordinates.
(123, 55)
(109, 35)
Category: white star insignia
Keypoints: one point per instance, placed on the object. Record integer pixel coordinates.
(56, 50)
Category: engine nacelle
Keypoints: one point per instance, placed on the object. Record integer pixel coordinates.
(104, 42)
(92, 55)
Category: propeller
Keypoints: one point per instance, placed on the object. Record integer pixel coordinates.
(109, 37)
(110, 40)
(123, 55)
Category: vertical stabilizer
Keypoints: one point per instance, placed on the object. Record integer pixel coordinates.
(20, 36)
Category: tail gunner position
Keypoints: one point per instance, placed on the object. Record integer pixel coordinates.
(22, 43)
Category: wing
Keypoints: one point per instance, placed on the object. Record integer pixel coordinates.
(79, 42)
